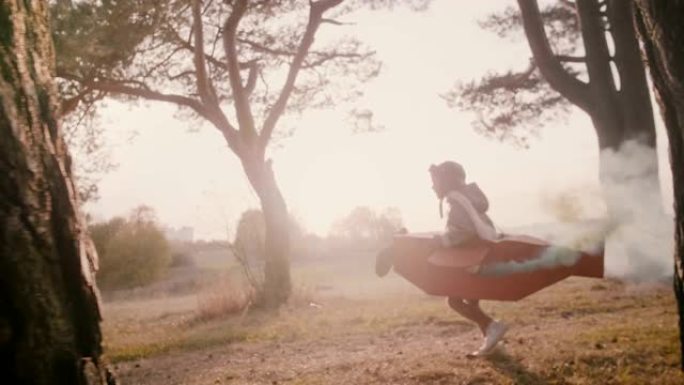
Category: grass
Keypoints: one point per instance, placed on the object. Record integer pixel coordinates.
(632, 352)
(300, 322)
(615, 337)
(579, 331)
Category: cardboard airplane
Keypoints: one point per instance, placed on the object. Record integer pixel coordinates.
(506, 269)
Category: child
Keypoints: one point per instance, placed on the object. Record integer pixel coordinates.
(467, 219)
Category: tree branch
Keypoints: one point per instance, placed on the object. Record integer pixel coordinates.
(315, 17)
(243, 109)
(146, 93)
(334, 22)
(325, 57)
(204, 87)
(552, 70)
(596, 50)
(630, 68)
(69, 105)
(161, 63)
(259, 47)
(185, 44)
(181, 75)
(117, 87)
(509, 81)
(262, 48)
(571, 59)
(253, 67)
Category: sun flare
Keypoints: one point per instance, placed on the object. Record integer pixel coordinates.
(332, 184)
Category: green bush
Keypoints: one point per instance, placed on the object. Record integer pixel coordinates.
(132, 252)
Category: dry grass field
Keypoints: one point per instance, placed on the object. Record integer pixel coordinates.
(346, 326)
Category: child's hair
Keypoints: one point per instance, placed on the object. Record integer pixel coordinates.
(449, 173)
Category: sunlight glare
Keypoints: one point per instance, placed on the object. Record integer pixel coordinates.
(332, 184)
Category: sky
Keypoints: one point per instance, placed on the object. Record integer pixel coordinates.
(188, 175)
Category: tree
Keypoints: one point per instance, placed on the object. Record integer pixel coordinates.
(585, 54)
(49, 311)
(365, 226)
(662, 32)
(172, 53)
(617, 101)
(248, 248)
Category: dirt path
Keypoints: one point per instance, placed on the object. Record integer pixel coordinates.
(550, 346)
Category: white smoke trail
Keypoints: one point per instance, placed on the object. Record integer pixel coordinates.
(640, 244)
(567, 244)
(638, 234)
(551, 257)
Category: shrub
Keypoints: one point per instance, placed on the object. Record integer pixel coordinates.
(132, 252)
(222, 300)
(182, 259)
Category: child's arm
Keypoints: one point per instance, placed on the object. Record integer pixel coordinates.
(484, 230)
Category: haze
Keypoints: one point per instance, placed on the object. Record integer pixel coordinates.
(184, 171)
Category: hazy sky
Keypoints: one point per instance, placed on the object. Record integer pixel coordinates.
(192, 179)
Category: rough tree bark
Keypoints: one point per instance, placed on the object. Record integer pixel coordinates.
(662, 32)
(49, 311)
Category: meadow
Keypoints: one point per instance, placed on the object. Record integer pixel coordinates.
(344, 325)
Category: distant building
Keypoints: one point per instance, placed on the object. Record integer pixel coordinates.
(182, 234)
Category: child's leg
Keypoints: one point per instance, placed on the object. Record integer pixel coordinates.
(471, 310)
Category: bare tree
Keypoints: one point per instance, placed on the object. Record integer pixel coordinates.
(662, 32)
(256, 57)
(49, 311)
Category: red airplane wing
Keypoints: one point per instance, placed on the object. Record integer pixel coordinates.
(444, 272)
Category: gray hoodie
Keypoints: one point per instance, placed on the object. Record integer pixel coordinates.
(460, 224)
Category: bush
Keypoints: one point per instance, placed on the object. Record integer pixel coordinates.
(182, 259)
(132, 252)
(222, 300)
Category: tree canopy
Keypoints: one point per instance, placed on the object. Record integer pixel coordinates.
(584, 54)
(256, 57)
(513, 106)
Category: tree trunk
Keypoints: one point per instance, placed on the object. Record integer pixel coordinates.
(277, 283)
(49, 310)
(617, 100)
(621, 112)
(620, 109)
(662, 32)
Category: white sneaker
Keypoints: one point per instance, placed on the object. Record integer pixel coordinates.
(494, 334)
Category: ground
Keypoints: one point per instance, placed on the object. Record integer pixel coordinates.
(346, 326)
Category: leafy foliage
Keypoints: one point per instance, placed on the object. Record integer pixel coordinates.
(157, 51)
(133, 252)
(88, 41)
(257, 57)
(510, 107)
(513, 106)
(560, 19)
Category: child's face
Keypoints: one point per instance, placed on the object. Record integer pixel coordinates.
(438, 187)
